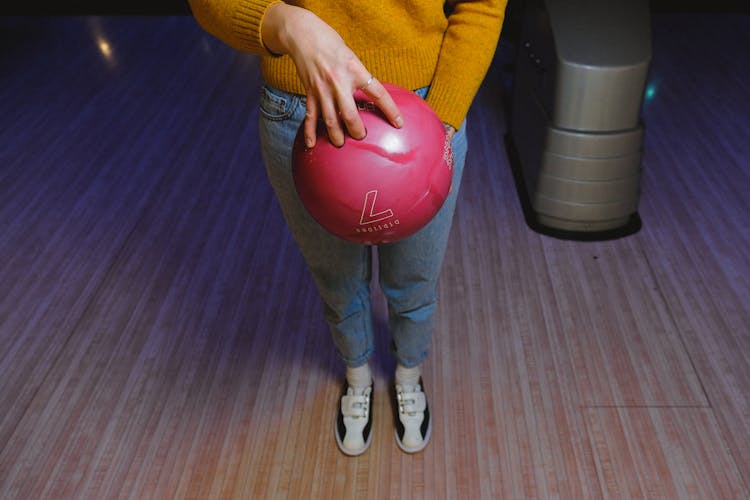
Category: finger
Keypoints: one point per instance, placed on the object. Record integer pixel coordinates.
(350, 115)
(311, 122)
(331, 120)
(450, 131)
(383, 100)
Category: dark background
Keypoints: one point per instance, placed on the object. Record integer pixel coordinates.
(180, 7)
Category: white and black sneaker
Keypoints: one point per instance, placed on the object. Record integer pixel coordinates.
(354, 420)
(412, 415)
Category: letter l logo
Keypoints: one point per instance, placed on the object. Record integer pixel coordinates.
(369, 215)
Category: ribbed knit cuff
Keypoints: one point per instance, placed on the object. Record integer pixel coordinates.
(451, 103)
(248, 18)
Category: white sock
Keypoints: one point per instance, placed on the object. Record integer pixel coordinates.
(359, 377)
(407, 376)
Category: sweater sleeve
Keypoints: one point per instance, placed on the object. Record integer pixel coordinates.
(235, 22)
(465, 56)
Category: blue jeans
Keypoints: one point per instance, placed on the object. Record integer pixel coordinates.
(408, 269)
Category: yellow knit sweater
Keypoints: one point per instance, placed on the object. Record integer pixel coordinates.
(411, 43)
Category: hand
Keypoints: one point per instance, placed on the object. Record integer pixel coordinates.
(450, 131)
(329, 70)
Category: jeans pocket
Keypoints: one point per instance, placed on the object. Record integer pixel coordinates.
(276, 105)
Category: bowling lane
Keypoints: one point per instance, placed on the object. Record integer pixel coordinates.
(96, 117)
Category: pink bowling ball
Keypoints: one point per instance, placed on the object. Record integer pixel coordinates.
(384, 187)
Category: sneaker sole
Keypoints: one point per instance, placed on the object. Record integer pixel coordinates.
(347, 451)
(421, 447)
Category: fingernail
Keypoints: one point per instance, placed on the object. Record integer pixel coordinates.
(399, 121)
(309, 142)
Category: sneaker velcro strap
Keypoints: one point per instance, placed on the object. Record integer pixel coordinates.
(412, 402)
(354, 406)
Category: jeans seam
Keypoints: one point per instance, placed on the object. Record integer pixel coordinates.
(290, 106)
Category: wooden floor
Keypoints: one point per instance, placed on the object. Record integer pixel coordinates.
(160, 338)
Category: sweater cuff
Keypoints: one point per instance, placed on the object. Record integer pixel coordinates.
(450, 104)
(248, 19)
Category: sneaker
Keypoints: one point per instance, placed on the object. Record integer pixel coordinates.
(354, 420)
(413, 423)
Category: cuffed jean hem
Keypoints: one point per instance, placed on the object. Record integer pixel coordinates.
(355, 362)
(411, 362)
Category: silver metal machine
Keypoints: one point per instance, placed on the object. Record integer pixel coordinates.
(575, 135)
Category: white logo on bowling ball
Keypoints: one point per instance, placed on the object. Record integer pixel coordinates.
(369, 216)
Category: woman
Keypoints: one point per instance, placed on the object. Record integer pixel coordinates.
(314, 55)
